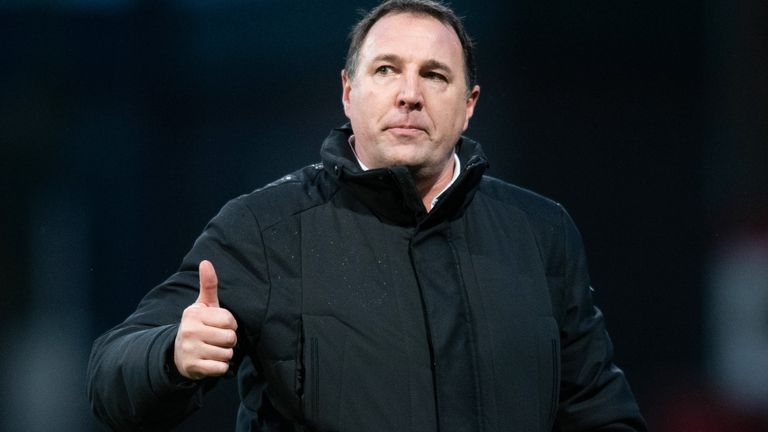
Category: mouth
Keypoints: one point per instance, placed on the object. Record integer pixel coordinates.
(405, 129)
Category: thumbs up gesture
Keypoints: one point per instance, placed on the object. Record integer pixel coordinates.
(206, 337)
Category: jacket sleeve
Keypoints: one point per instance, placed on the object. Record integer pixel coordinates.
(594, 394)
(132, 381)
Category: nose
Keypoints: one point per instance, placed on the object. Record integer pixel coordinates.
(410, 97)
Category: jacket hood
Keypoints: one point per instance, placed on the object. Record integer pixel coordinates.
(391, 192)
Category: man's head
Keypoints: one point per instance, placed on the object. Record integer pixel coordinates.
(431, 8)
(408, 87)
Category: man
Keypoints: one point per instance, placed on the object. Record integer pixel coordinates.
(393, 287)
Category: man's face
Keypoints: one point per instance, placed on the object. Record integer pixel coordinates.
(408, 100)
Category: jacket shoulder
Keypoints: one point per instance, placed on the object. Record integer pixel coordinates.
(289, 195)
(536, 206)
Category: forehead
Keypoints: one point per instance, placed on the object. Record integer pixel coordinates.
(413, 37)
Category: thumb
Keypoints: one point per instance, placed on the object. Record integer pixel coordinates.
(209, 285)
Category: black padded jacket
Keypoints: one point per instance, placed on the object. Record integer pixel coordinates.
(358, 310)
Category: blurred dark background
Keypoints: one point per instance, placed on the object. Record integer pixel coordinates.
(125, 126)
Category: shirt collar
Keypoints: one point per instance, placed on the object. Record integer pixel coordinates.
(456, 170)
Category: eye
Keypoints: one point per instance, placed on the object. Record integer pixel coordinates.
(384, 70)
(435, 76)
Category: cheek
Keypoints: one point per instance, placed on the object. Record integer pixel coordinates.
(356, 107)
(454, 119)
(358, 100)
(373, 99)
(371, 107)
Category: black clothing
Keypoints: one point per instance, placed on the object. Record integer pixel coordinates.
(358, 310)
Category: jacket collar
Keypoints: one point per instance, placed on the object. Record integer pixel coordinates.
(391, 193)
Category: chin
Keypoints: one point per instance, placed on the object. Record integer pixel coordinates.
(406, 161)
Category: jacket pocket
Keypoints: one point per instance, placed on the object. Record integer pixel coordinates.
(549, 370)
(321, 371)
(314, 361)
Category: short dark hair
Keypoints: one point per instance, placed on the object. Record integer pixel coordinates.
(435, 9)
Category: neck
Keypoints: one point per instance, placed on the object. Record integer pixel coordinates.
(430, 187)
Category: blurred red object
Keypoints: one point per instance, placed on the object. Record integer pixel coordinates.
(705, 411)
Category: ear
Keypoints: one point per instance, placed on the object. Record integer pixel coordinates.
(346, 87)
(471, 102)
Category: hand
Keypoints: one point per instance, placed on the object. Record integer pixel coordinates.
(206, 337)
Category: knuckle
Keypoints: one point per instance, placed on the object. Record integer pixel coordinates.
(186, 333)
(220, 368)
(191, 310)
(198, 371)
(187, 346)
(231, 321)
(188, 321)
(231, 338)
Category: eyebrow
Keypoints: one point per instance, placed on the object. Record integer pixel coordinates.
(429, 64)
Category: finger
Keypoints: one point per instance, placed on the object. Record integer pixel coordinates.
(209, 285)
(218, 337)
(210, 352)
(207, 368)
(219, 318)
